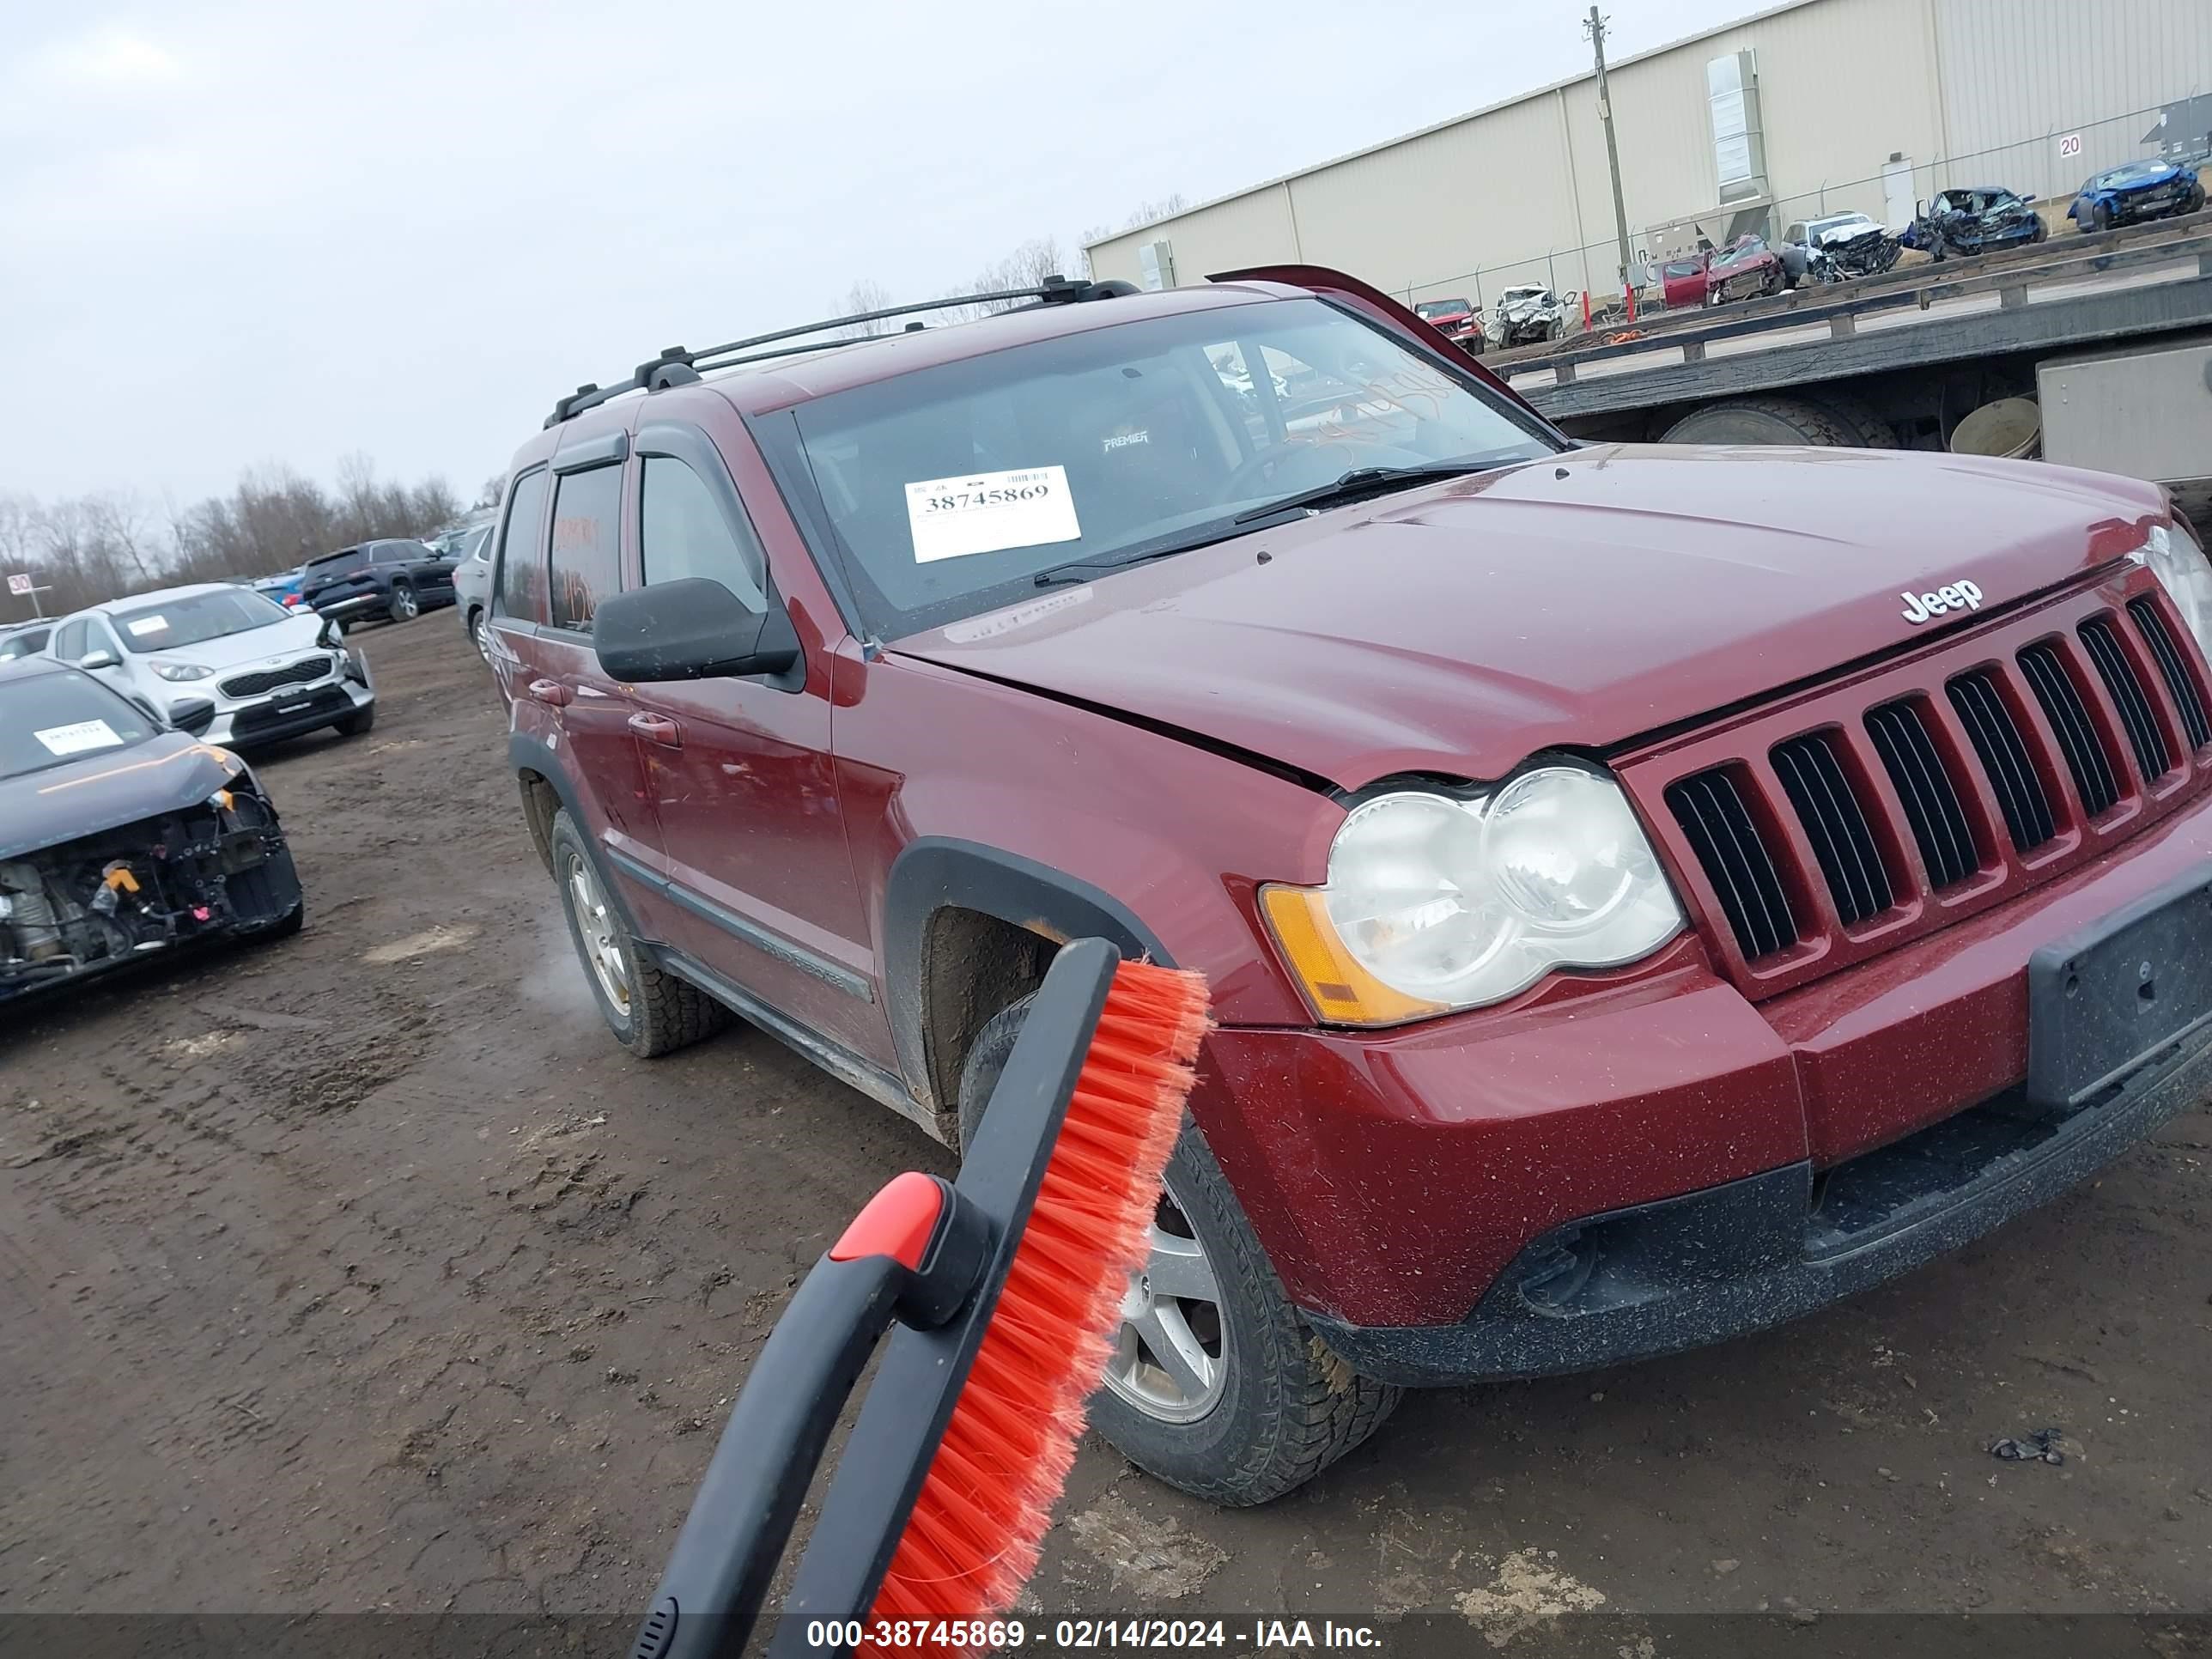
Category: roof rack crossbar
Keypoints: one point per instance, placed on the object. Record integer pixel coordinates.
(678, 367)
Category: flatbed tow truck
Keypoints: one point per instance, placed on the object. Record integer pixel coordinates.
(2110, 333)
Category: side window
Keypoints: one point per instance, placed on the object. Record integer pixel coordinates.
(384, 553)
(71, 643)
(587, 559)
(685, 532)
(522, 578)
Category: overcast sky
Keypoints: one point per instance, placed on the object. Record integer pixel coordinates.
(238, 231)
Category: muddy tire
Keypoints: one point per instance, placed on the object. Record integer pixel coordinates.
(650, 1010)
(1764, 421)
(2101, 216)
(1278, 1405)
(362, 719)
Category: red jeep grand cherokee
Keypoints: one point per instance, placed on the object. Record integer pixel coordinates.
(1634, 917)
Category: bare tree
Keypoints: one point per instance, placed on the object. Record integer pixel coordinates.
(1148, 212)
(493, 493)
(865, 295)
(120, 521)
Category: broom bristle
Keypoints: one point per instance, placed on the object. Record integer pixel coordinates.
(973, 1539)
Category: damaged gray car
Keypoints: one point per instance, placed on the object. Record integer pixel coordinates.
(122, 837)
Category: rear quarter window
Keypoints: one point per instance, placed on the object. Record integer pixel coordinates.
(521, 574)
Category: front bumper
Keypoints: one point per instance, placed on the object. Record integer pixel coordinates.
(294, 710)
(1657, 1279)
(360, 605)
(1410, 1186)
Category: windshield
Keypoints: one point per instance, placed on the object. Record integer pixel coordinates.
(27, 643)
(951, 489)
(1442, 307)
(49, 720)
(1821, 227)
(172, 623)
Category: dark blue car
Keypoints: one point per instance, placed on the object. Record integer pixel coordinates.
(2137, 191)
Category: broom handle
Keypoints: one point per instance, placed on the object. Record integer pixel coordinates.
(742, 1516)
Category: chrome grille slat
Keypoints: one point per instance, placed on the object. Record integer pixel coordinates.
(2128, 697)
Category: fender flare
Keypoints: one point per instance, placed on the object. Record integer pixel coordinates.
(528, 754)
(935, 872)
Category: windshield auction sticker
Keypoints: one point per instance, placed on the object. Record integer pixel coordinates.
(990, 512)
(80, 739)
(142, 626)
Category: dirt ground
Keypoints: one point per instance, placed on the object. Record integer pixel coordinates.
(363, 1271)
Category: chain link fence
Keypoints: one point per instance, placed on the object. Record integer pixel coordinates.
(2048, 169)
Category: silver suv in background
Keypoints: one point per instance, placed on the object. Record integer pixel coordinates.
(268, 672)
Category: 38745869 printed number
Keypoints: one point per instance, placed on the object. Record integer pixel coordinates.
(962, 500)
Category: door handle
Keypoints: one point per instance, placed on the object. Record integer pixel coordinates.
(549, 691)
(658, 728)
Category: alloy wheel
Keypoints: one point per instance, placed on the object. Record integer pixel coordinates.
(595, 925)
(1171, 1355)
(404, 607)
(480, 631)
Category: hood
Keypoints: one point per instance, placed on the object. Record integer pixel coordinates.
(118, 787)
(2142, 174)
(257, 648)
(1851, 233)
(1580, 601)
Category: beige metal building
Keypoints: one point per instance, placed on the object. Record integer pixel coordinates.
(1810, 106)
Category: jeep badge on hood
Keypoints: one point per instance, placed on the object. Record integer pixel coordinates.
(1954, 596)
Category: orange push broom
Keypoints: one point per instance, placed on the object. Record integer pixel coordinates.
(1000, 1291)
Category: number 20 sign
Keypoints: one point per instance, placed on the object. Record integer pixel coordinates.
(2070, 146)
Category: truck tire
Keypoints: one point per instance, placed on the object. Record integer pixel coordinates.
(1764, 421)
(1280, 1406)
(1874, 432)
(650, 1010)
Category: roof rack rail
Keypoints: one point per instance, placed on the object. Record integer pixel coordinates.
(676, 366)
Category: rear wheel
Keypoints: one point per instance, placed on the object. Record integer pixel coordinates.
(404, 606)
(480, 633)
(651, 1011)
(1764, 421)
(1216, 1384)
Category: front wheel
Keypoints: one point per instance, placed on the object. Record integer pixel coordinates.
(650, 1010)
(1216, 1385)
(362, 719)
(404, 606)
(2101, 214)
(480, 634)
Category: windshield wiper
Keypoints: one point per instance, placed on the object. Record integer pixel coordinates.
(1141, 554)
(1362, 481)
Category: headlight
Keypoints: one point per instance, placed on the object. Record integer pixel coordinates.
(1434, 902)
(2179, 565)
(180, 670)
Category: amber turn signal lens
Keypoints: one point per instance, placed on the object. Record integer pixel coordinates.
(1340, 991)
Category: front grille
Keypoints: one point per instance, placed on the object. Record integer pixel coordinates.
(2172, 668)
(2128, 697)
(1732, 850)
(1836, 823)
(301, 672)
(1995, 734)
(2079, 740)
(1941, 828)
(2066, 695)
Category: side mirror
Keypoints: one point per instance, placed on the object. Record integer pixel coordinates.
(692, 630)
(192, 714)
(331, 635)
(96, 659)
